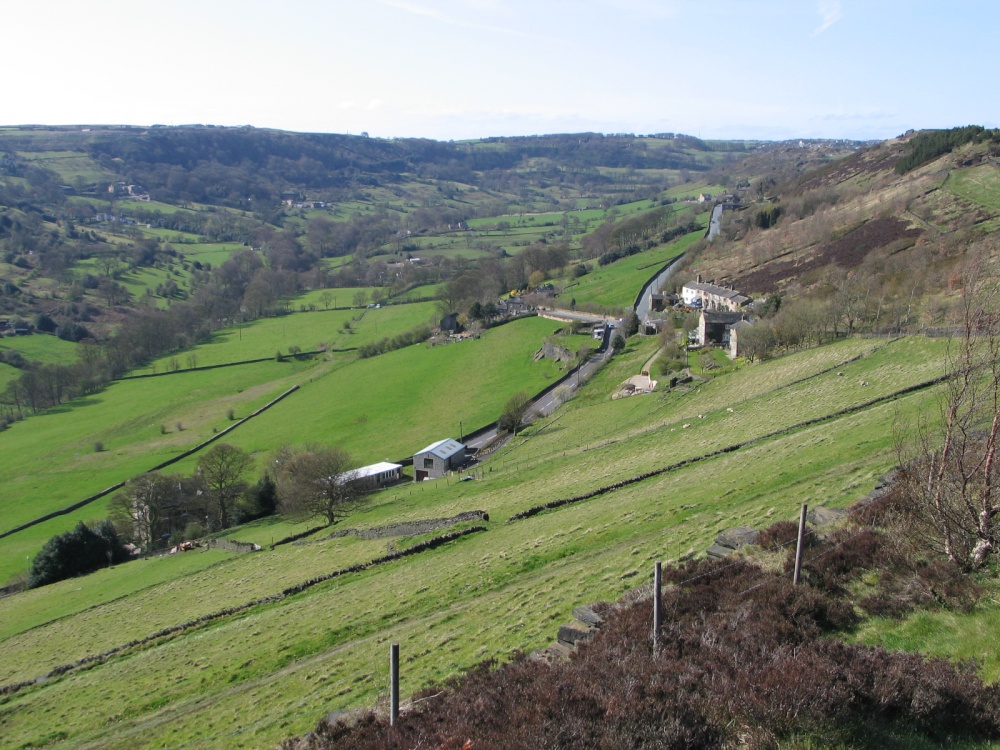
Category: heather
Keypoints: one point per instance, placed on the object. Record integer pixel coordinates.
(745, 659)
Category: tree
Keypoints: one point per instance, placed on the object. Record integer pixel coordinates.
(143, 510)
(262, 498)
(756, 340)
(630, 326)
(222, 470)
(618, 343)
(82, 550)
(319, 481)
(360, 299)
(951, 485)
(515, 410)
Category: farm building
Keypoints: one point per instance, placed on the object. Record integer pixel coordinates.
(712, 296)
(735, 348)
(449, 323)
(380, 473)
(715, 327)
(660, 301)
(437, 459)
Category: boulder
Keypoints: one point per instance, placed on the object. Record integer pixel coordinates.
(738, 537)
(821, 516)
(555, 653)
(719, 552)
(591, 613)
(575, 633)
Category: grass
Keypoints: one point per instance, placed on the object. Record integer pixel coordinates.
(422, 392)
(426, 391)
(978, 184)
(250, 680)
(339, 297)
(944, 633)
(616, 284)
(309, 331)
(56, 462)
(41, 347)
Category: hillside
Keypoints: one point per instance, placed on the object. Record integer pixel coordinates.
(225, 648)
(881, 246)
(247, 679)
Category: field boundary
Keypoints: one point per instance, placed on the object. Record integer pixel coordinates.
(234, 364)
(561, 502)
(162, 465)
(228, 611)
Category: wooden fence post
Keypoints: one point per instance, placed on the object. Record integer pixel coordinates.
(798, 546)
(393, 684)
(657, 606)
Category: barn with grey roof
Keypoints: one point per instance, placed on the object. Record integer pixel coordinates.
(437, 459)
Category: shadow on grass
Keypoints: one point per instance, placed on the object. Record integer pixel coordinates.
(74, 404)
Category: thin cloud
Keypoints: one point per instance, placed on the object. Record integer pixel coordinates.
(654, 10)
(829, 12)
(427, 12)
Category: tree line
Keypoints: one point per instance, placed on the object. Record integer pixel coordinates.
(156, 510)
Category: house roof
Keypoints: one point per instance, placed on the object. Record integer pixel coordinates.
(719, 291)
(727, 318)
(373, 469)
(443, 448)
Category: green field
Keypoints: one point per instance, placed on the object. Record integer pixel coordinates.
(421, 392)
(979, 184)
(254, 678)
(340, 402)
(616, 284)
(338, 297)
(310, 331)
(41, 347)
(57, 464)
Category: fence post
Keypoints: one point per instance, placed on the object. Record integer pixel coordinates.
(799, 544)
(393, 684)
(657, 606)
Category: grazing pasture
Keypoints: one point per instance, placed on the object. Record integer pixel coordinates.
(252, 678)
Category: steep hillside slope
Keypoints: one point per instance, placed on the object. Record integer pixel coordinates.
(862, 227)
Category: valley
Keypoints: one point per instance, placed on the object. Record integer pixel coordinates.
(213, 648)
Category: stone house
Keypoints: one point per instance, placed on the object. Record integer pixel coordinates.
(715, 327)
(437, 459)
(709, 296)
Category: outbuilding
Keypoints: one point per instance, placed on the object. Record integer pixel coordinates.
(437, 459)
(379, 474)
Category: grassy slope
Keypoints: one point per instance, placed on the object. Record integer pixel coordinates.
(611, 284)
(393, 405)
(251, 680)
(41, 347)
(309, 331)
(426, 391)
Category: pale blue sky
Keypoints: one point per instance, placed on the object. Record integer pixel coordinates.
(453, 69)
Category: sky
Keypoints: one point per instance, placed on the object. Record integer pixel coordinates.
(460, 69)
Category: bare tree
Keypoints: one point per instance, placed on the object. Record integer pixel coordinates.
(147, 507)
(222, 469)
(319, 481)
(951, 483)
